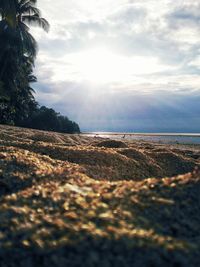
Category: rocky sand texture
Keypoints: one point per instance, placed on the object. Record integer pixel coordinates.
(71, 200)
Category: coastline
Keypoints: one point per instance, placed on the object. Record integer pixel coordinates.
(162, 138)
(141, 134)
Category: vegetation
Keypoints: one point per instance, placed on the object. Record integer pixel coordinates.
(44, 118)
(18, 50)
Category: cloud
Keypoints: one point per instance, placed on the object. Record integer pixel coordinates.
(186, 15)
(105, 110)
(121, 62)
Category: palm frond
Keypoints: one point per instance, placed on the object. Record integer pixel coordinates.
(29, 43)
(35, 20)
(23, 26)
(30, 2)
(29, 10)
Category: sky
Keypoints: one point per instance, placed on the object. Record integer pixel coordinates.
(121, 65)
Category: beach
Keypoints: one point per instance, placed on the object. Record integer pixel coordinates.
(162, 138)
(74, 200)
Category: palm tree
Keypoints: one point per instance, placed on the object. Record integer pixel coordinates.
(18, 48)
(16, 16)
(28, 14)
(14, 31)
(8, 11)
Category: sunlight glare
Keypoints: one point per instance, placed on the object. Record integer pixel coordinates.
(100, 65)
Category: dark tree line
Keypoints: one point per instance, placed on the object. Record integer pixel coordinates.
(18, 50)
(47, 119)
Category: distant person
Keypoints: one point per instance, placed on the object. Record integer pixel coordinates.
(123, 136)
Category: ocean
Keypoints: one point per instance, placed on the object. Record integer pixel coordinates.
(164, 138)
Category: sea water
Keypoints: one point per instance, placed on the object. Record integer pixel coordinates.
(165, 138)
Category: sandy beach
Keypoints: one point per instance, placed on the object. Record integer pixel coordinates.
(73, 200)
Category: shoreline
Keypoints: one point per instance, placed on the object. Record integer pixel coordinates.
(141, 134)
(160, 138)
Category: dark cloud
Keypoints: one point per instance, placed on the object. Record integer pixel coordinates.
(126, 111)
(185, 16)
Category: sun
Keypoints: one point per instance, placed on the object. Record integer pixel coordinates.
(101, 65)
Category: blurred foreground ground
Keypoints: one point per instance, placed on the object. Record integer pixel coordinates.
(71, 200)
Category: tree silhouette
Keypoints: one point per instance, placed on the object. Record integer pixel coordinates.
(18, 50)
